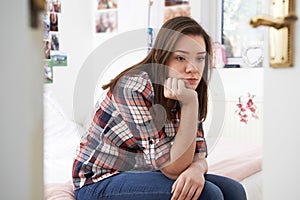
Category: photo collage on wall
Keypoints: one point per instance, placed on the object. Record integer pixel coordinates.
(52, 51)
(106, 18)
(174, 8)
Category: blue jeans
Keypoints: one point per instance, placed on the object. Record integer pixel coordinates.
(156, 186)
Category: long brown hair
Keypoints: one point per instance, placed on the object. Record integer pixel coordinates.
(157, 59)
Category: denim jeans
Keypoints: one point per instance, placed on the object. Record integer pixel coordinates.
(156, 186)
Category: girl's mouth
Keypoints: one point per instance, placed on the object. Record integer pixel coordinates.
(191, 81)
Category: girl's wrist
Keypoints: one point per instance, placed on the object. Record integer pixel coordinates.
(192, 101)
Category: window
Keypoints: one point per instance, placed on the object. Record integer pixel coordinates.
(243, 43)
(227, 21)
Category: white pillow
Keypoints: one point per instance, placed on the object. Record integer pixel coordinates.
(61, 137)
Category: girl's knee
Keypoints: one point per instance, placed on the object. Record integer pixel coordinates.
(240, 193)
(211, 192)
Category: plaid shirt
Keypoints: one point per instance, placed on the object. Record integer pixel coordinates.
(126, 135)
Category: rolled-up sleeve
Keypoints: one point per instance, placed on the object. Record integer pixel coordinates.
(201, 146)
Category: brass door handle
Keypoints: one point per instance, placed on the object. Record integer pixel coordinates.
(277, 23)
(281, 35)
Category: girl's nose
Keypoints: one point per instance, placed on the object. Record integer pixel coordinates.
(191, 67)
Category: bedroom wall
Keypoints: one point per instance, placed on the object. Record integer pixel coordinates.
(223, 120)
(76, 39)
(21, 119)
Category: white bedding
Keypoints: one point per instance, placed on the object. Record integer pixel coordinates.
(241, 162)
(61, 137)
(253, 186)
(235, 159)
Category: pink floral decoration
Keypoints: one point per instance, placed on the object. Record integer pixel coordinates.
(246, 108)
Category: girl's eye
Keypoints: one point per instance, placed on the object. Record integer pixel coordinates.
(180, 58)
(200, 59)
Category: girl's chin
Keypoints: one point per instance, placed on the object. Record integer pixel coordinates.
(190, 86)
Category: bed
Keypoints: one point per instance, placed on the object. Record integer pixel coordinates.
(240, 161)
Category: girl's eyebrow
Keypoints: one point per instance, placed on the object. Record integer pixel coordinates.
(186, 52)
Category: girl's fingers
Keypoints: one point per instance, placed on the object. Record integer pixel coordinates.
(181, 84)
(174, 88)
(191, 193)
(174, 84)
(174, 187)
(170, 88)
(167, 88)
(177, 190)
(197, 194)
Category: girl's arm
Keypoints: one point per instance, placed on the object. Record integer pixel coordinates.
(183, 149)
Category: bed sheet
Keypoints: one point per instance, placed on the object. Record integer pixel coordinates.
(253, 185)
(235, 159)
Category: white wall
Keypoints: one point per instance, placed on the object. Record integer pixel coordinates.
(226, 86)
(281, 128)
(21, 121)
(76, 39)
(79, 40)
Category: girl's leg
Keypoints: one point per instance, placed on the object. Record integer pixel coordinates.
(139, 185)
(211, 192)
(129, 186)
(231, 189)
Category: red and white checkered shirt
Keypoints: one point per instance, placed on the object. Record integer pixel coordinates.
(126, 134)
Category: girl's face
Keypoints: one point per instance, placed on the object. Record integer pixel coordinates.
(187, 60)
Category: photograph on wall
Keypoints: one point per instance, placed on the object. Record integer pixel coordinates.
(49, 4)
(47, 49)
(172, 12)
(53, 6)
(176, 2)
(54, 41)
(59, 58)
(107, 4)
(48, 71)
(56, 6)
(51, 43)
(53, 17)
(46, 23)
(106, 22)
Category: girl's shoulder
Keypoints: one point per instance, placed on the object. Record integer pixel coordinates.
(137, 82)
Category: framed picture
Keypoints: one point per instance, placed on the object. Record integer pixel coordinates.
(175, 2)
(54, 41)
(171, 12)
(54, 6)
(46, 23)
(107, 4)
(47, 49)
(48, 71)
(106, 22)
(59, 58)
(53, 17)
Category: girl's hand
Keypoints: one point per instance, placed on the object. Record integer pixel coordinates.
(188, 185)
(175, 88)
